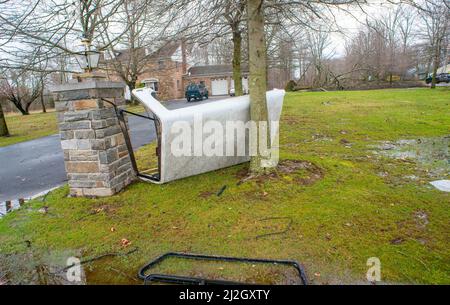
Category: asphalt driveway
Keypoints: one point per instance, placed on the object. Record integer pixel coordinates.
(35, 166)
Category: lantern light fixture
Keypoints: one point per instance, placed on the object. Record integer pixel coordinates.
(88, 58)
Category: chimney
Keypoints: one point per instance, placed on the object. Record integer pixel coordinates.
(183, 56)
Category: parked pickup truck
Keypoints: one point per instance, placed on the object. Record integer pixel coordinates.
(440, 78)
(197, 92)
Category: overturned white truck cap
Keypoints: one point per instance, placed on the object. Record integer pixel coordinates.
(205, 137)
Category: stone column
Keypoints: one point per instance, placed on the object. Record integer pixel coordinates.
(95, 154)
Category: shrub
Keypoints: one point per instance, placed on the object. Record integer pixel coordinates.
(290, 86)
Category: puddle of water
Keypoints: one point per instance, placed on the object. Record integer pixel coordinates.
(8, 206)
(431, 156)
(31, 266)
(431, 153)
(11, 205)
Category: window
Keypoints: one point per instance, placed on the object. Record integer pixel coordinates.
(154, 85)
(178, 84)
(161, 64)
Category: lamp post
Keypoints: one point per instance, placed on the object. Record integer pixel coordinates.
(88, 60)
(96, 158)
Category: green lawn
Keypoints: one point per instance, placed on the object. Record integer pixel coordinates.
(28, 127)
(35, 125)
(361, 205)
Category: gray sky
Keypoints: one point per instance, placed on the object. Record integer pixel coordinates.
(350, 20)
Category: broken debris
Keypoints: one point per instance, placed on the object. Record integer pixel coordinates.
(442, 185)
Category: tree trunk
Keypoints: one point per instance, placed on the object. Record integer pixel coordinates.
(44, 110)
(23, 111)
(3, 127)
(258, 78)
(27, 108)
(437, 52)
(131, 86)
(237, 76)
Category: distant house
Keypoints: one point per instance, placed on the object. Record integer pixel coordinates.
(163, 71)
(444, 69)
(167, 71)
(217, 78)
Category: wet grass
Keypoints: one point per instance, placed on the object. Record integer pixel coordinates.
(350, 214)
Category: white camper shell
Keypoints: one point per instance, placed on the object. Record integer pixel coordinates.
(173, 166)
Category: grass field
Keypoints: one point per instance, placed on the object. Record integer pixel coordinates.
(28, 127)
(35, 125)
(350, 205)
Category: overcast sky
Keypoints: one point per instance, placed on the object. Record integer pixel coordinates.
(350, 20)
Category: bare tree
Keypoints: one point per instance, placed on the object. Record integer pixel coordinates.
(45, 30)
(42, 82)
(217, 51)
(234, 14)
(435, 15)
(383, 47)
(406, 26)
(407, 35)
(127, 57)
(21, 89)
(318, 42)
(389, 28)
(220, 22)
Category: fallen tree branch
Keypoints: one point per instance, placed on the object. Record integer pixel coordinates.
(221, 190)
(111, 254)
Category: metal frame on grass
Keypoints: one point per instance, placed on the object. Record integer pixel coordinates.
(176, 279)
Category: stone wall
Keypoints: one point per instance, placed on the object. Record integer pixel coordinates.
(95, 154)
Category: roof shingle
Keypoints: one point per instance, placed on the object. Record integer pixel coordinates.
(213, 70)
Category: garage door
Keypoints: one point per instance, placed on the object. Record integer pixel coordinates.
(219, 87)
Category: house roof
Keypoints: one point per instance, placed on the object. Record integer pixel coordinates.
(213, 70)
(167, 50)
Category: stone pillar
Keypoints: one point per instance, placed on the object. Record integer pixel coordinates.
(95, 154)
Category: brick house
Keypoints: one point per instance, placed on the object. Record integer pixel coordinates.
(166, 71)
(217, 78)
(163, 71)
